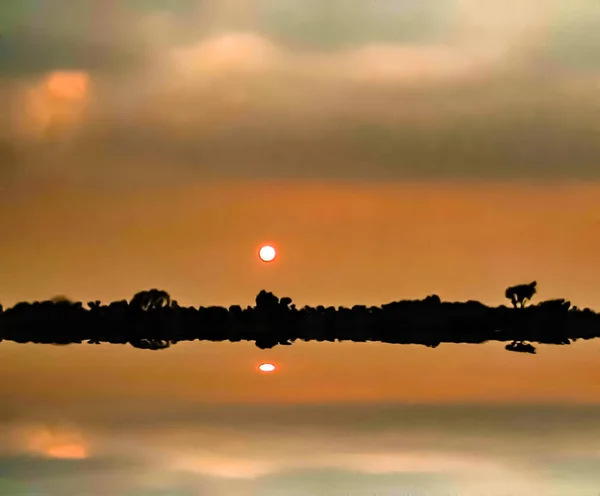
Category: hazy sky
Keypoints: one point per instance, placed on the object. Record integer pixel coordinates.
(388, 148)
(261, 88)
(138, 125)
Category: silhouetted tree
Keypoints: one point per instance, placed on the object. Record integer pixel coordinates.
(150, 300)
(519, 294)
(433, 299)
(266, 300)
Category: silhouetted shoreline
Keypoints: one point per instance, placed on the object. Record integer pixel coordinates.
(152, 321)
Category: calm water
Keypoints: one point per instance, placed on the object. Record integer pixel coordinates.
(198, 419)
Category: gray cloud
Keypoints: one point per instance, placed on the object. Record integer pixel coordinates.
(29, 55)
(29, 467)
(503, 428)
(342, 24)
(339, 482)
(38, 37)
(574, 38)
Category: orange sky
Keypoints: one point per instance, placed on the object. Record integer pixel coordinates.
(340, 244)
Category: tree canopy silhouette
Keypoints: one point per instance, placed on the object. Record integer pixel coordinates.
(151, 300)
(152, 320)
(521, 293)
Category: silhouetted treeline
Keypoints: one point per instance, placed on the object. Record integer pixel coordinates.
(151, 320)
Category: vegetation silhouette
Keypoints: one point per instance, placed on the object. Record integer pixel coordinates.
(152, 320)
(518, 295)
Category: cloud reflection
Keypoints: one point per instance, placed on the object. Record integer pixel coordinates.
(468, 449)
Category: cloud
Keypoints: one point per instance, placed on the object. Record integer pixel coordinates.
(241, 89)
(53, 105)
(573, 42)
(25, 468)
(340, 482)
(56, 442)
(223, 53)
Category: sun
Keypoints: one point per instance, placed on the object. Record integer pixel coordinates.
(266, 367)
(267, 253)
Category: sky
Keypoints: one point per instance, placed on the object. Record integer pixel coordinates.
(388, 90)
(388, 149)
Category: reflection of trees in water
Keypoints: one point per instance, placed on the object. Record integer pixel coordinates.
(521, 347)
